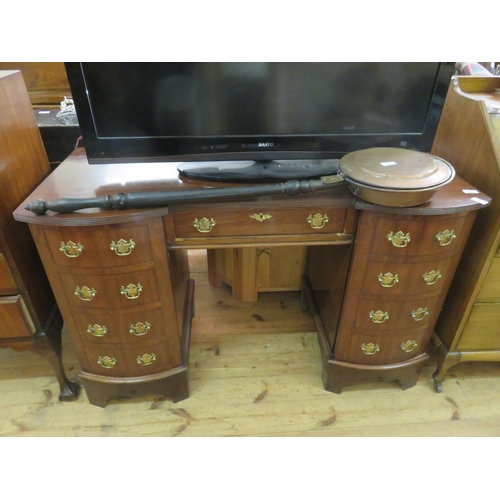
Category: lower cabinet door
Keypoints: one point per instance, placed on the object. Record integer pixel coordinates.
(15, 320)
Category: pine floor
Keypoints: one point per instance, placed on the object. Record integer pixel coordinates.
(255, 370)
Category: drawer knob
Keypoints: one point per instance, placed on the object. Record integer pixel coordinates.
(146, 359)
(379, 316)
(445, 237)
(370, 348)
(85, 293)
(97, 330)
(419, 314)
(106, 361)
(409, 345)
(399, 239)
(71, 249)
(122, 247)
(140, 328)
(431, 277)
(317, 221)
(388, 280)
(204, 225)
(131, 291)
(261, 217)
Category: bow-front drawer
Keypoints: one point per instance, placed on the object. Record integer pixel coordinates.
(14, 318)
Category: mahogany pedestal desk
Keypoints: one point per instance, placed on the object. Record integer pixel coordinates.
(375, 276)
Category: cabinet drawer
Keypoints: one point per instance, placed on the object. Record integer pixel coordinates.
(482, 331)
(14, 318)
(380, 350)
(219, 223)
(405, 278)
(7, 282)
(122, 290)
(126, 328)
(114, 361)
(490, 291)
(99, 246)
(408, 237)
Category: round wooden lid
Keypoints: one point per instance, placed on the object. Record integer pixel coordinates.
(396, 168)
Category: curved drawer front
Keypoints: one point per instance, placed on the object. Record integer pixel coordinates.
(109, 292)
(378, 316)
(392, 279)
(430, 236)
(219, 223)
(133, 361)
(99, 247)
(126, 328)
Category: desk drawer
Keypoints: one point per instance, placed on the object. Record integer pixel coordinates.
(215, 222)
(14, 318)
(7, 282)
(490, 291)
(482, 331)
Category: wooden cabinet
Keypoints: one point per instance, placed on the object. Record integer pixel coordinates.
(469, 137)
(29, 317)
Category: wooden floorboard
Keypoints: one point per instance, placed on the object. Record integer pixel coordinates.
(255, 370)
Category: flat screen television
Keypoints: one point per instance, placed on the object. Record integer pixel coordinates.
(255, 121)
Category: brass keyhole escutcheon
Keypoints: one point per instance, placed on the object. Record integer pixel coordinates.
(261, 217)
(146, 359)
(388, 280)
(122, 247)
(70, 249)
(445, 237)
(204, 225)
(106, 361)
(431, 277)
(85, 293)
(399, 239)
(370, 348)
(97, 330)
(409, 345)
(131, 291)
(419, 314)
(140, 329)
(317, 221)
(379, 316)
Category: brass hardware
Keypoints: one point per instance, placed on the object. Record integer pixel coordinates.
(409, 345)
(388, 280)
(261, 217)
(445, 237)
(399, 239)
(131, 291)
(419, 314)
(204, 225)
(146, 359)
(317, 221)
(123, 247)
(140, 328)
(71, 249)
(97, 330)
(85, 293)
(431, 277)
(379, 316)
(106, 361)
(370, 348)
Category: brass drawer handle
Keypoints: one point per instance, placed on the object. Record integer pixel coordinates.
(409, 345)
(85, 293)
(146, 359)
(317, 221)
(388, 280)
(261, 217)
(140, 329)
(71, 249)
(106, 361)
(431, 277)
(399, 239)
(419, 314)
(97, 330)
(131, 291)
(379, 316)
(445, 237)
(370, 348)
(204, 225)
(122, 247)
